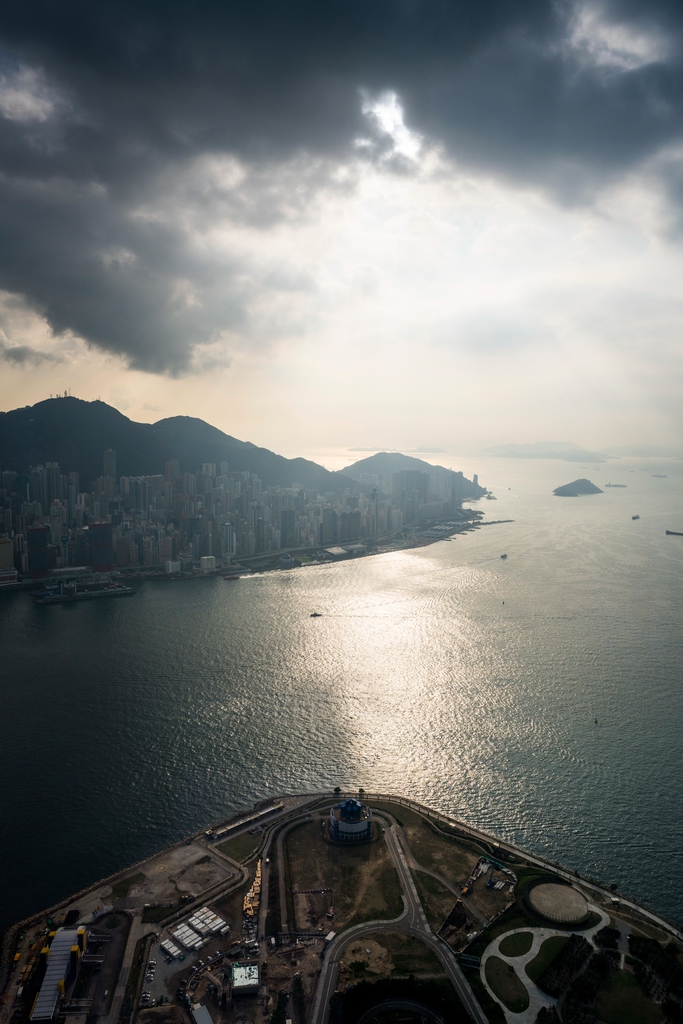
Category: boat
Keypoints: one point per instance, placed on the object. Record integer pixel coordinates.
(316, 615)
(232, 576)
(503, 556)
(635, 517)
(674, 533)
(69, 592)
(615, 485)
(659, 476)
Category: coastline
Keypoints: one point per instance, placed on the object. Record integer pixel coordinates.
(299, 802)
(306, 557)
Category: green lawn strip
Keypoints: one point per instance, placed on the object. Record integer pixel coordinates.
(491, 1008)
(622, 1001)
(120, 889)
(241, 847)
(545, 956)
(517, 944)
(403, 815)
(153, 915)
(504, 983)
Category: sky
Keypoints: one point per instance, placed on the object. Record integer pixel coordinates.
(396, 223)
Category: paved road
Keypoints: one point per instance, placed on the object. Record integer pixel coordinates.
(473, 911)
(412, 922)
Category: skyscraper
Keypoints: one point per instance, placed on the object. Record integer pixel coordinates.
(101, 546)
(109, 461)
(288, 528)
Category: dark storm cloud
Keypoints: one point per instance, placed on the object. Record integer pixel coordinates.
(108, 106)
(24, 355)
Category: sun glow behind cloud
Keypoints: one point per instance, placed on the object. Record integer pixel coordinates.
(436, 221)
(439, 302)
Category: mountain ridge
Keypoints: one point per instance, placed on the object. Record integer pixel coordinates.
(75, 433)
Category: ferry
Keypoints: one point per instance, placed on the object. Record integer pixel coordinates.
(232, 576)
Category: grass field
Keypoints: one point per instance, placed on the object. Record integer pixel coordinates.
(121, 889)
(545, 956)
(516, 945)
(515, 917)
(452, 858)
(436, 899)
(506, 985)
(363, 877)
(240, 847)
(230, 908)
(491, 1008)
(622, 1001)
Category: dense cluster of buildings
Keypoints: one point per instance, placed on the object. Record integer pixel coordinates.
(178, 520)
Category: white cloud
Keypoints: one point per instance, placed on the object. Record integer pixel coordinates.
(26, 96)
(386, 115)
(618, 45)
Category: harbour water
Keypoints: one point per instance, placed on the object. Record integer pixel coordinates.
(471, 682)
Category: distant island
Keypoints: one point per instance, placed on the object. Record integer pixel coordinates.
(577, 487)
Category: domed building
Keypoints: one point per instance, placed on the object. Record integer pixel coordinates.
(350, 822)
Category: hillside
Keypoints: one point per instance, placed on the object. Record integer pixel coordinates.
(75, 433)
(383, 464)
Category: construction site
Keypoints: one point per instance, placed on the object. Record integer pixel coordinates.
(270, 917)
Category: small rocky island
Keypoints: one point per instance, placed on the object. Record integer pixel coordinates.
(577, 487)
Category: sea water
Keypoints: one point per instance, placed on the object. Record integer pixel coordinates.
(470, 682)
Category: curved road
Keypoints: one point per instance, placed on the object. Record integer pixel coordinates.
(412, 922)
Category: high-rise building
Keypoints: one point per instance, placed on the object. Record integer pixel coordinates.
(172, 470)
(39, 556)
(101, 547)
(288, 528)
(6, 553)
(109, 461)
(329, 526)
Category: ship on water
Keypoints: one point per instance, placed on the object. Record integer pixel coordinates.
(82, 589)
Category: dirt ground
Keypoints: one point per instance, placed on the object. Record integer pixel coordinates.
(183, 871)
(490, 901)
(311, 909)
(164, 1015)
(387, 954)
(363, 878)
(284, 964)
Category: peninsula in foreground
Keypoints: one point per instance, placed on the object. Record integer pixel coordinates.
(343, 907)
